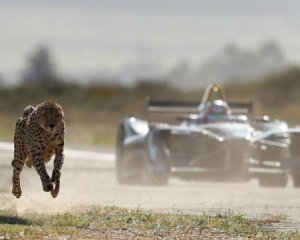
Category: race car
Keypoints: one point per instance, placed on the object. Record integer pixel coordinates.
(214, 141)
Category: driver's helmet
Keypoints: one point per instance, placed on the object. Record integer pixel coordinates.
(216, 111)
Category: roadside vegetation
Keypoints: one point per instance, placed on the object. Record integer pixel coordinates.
(93, 111)
(119, 223)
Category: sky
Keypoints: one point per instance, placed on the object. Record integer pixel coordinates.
(91, 37)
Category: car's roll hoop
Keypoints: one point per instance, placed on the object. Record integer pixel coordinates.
(213, 92)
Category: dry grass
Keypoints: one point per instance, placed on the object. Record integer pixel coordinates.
(98, 127)
(93, 112)
(119, 223)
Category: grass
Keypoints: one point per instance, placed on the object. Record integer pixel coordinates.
(7, 126)
(120, 223)
(93, 111)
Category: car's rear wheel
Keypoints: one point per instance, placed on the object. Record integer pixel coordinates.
(296, 180)
(274, 180)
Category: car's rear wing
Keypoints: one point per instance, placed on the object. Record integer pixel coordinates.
(160, 106)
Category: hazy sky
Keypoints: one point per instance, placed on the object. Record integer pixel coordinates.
(90, 36)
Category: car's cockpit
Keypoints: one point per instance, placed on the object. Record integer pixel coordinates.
(213, 107)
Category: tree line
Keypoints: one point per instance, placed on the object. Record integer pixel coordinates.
(40, 81)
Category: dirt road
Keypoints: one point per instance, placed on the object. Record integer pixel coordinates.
(91, 181)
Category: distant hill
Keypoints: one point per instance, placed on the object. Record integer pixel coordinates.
(231, 63)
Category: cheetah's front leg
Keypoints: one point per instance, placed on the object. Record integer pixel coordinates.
(39, 165)
(58, 162)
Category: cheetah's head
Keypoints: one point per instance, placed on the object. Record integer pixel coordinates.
(50, 116)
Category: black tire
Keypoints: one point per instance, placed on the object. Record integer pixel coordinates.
(151, 177)
(274, 180)
(296, 180)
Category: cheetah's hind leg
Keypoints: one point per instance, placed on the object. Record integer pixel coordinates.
(18, 164)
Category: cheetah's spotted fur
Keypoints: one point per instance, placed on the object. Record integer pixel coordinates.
(39, 134)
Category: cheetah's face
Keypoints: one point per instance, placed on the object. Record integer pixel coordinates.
(50, 118)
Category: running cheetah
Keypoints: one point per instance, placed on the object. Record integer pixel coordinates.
(39, 134)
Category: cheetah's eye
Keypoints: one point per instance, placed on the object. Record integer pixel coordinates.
(44, 115)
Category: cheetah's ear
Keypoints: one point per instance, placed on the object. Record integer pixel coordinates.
(63, 115)
(61, 112)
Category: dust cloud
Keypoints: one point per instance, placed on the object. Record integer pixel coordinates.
(86, 183)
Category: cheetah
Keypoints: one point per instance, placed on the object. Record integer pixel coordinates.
(39, 134)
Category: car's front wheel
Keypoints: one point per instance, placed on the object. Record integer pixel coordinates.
(156, 166)
(125, 175)
(273, 180)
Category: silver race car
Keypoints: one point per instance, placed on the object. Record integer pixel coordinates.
(214, 141)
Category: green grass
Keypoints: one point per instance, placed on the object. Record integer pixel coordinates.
(120, 223)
